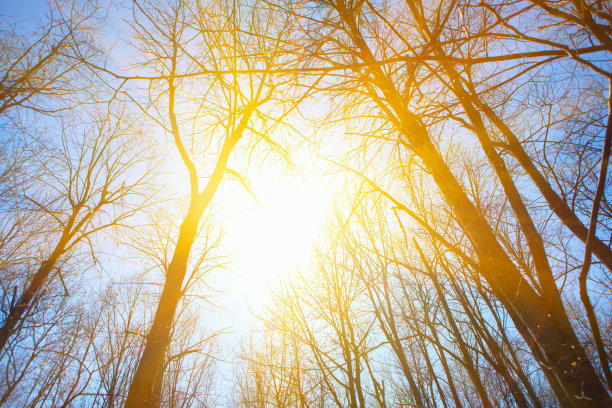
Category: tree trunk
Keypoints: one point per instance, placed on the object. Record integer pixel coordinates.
(142, 392)
(17, 311)
(544, 326)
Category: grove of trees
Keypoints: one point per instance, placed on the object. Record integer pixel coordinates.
(466, 261)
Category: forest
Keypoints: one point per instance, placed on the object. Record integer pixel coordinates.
(305, 203)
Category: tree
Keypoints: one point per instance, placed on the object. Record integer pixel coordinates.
(181, 40)
(42, 70)
(473, 234)
(91, 191)
(368, 42)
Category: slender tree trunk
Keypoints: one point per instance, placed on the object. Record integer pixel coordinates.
(142, 389)
(495, 354)
(17, 311)
(467, 358)
(432, 373)
(384, 314)
(444, 362)
(516, 364)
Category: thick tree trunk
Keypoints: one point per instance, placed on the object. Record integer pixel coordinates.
(17, 311)
(544, 325)
(550, 296)
(146, 387)
(556, 203)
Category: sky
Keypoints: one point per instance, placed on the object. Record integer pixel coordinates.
(22, 10)
(291, 206)
(267, 239)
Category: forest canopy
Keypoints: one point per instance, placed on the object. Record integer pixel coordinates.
(291, 203)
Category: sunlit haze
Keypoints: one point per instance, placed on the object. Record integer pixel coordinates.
(277, 234)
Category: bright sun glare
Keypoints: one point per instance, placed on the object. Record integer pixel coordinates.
(277, 235)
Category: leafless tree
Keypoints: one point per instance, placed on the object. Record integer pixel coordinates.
(88, 183)
(42, 68)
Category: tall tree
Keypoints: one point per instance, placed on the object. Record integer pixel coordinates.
(200, 50)
(383, 79)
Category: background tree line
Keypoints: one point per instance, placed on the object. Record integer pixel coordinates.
(468, 260)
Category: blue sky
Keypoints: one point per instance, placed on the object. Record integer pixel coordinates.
(22, 9)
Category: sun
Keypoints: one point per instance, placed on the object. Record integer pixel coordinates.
(277, 234)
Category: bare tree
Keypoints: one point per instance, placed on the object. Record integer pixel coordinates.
(181, 40)
(382, 80)
(44, 70)
(87, 185)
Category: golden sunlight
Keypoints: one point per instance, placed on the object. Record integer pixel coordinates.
(277, 234)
